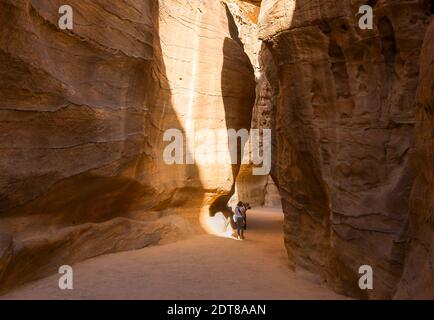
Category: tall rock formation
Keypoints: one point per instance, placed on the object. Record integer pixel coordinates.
(83, 114)
(418, 277)
(250, 187)
(344, 126)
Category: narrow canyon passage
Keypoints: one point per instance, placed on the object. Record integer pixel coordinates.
(137, 128)
(200, 267)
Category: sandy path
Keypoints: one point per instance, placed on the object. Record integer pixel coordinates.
(202, 267)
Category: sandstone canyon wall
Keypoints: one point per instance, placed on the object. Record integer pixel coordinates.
(257, 190)
(344, 121)
(418, 275)
(83, 113)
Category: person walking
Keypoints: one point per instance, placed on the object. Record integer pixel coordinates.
(239, 220)
(246, 207)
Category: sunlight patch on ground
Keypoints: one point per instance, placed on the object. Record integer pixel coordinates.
(218, 225)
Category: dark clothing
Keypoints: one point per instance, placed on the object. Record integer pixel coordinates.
(240, 228)
(240, 218)
(245, 220)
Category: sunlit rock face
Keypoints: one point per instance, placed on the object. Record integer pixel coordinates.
(83, 115)
(211, 81)
(418, 276)
(251, 187)
(344, 126)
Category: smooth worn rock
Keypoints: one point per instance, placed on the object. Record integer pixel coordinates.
(83, 113)
(249, 187)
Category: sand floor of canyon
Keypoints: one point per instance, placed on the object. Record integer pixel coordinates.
(202, 267)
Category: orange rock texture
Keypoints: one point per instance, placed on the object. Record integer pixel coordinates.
(83, 113)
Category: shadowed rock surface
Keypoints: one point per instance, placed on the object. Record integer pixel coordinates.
(344, 126)
(417, 281)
